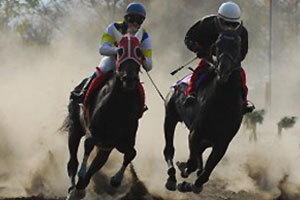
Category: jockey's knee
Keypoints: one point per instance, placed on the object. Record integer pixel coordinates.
(107, 63)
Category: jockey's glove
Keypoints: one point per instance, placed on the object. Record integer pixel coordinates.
(193, 46)
(120, 51)
(202, 53)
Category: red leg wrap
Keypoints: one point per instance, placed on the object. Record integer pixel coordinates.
(244, 85)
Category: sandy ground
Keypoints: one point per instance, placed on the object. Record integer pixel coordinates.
(213, 190)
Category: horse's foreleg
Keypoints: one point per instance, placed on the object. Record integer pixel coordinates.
(73, 143)
(96, 165)
(200, 159)
(169, 129)
(214, 158)
(192, 163)
(118, 177)
(89, 144)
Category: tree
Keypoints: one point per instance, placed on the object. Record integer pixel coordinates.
(251, 120)
(286, 123)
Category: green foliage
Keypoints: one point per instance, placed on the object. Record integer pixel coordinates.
(34, 21)
(256, 117)
(33, 3)
(287, 122)
(251, 120)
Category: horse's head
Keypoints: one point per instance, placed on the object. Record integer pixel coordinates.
(227, 50)
(129, 60)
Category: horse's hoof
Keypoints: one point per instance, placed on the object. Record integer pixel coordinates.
(171, 185)
(184, 174)
(182, 167)
(76, 194)
(185, 187)
(71, 188)
(71, 194)
(197, 189)
(80, 193)
(116, 180)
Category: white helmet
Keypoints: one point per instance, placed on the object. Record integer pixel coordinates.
(230, 11)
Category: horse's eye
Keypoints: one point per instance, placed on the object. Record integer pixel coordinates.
(138, 52)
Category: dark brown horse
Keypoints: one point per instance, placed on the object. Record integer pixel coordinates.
(112, 121)
(213, 121)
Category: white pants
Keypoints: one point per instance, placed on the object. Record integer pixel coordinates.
(107, 63)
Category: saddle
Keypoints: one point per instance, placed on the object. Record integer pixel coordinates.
(183, 84)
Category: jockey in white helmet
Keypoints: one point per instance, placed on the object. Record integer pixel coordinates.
(204, 33)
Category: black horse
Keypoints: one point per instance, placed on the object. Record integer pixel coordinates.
(112, 123)
(213, 121)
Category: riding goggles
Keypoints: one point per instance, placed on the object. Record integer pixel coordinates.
(228, 23)
(134, 19)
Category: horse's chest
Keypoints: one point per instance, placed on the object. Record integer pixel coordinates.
(123, 110)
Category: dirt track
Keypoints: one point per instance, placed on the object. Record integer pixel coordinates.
(213, 190)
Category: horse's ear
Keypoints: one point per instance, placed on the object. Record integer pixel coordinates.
(139, 34)
(239, 28)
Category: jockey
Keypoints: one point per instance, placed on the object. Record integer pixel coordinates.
(204, 33)
(133, 19)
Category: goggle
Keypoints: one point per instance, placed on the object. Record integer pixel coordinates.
(134, 19)
(228, 23)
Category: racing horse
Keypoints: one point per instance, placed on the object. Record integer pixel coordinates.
(112, 120)
(213, 120)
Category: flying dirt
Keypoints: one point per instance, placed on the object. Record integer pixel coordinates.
(36, 82)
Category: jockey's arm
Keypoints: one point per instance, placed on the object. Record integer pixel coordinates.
(191, 39)
(107, 49)
(244, 43)
(107, 43)
(146, 48)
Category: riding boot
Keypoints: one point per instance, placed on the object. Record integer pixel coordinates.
(79, 92)
(247, 108)
(145, 108)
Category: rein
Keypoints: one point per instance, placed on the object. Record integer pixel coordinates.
(156, 88)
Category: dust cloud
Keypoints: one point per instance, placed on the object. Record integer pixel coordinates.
(36, 81)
